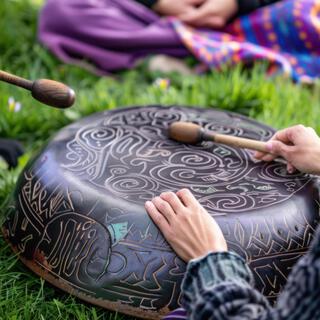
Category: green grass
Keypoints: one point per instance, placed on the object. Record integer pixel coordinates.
(275, 101)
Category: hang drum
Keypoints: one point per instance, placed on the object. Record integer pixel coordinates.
(77, 217)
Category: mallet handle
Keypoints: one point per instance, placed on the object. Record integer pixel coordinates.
(235, 141)
(17, 81)
(52, 93)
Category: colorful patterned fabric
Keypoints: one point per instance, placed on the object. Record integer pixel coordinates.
(286, 34)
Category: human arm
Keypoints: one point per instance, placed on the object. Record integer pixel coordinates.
(218, 284)
(171, 8)
(205, 13)
(243, 6)
(212, 13)
(212, 272)
(217, 13)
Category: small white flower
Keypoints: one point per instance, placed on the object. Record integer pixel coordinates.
(17, 107)
(10, 101)
(13, 105)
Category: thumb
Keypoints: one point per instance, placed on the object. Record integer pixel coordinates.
(278, 148)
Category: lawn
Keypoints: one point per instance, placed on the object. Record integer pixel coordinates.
(274, 101)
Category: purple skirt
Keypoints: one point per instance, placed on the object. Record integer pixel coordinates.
(110, 34)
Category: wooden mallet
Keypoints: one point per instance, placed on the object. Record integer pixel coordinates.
(49, 92)
(191, 133)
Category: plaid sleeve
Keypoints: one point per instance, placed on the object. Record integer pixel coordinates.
(218, 286)
(300, 297)
(246, 6)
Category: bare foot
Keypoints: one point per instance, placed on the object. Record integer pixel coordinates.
(186, 225)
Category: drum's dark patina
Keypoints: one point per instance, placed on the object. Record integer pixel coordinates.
(78, 217)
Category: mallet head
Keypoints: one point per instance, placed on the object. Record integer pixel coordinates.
(185, 132)
(53, 93)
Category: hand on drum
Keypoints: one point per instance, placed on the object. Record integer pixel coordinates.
(186, 225)
(299, 145)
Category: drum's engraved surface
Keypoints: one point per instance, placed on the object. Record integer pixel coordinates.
(137, 161)
(82, 219)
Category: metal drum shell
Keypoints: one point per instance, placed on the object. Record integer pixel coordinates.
(78, 220)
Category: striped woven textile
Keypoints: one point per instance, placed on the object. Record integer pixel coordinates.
(286, 34)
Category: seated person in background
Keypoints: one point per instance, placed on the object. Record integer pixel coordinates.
(205, 13)
(10, 151)
(218, 283)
